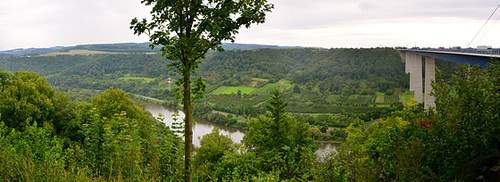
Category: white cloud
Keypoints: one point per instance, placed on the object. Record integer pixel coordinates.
(32, 23)
(325, 23)
(340, 23)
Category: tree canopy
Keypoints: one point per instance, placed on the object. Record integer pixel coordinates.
(280, 140)
(186, 30)
(44, 135)
(26, 97)
(455, 141)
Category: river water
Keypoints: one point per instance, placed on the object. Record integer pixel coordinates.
(203, 127)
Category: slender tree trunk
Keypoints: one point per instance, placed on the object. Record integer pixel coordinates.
(188, 131)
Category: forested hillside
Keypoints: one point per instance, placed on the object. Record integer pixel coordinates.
(314, 80)
(367, 70)
(44, 65)
(330, 70)
(120, 48)
(104, 71)
(233, 68)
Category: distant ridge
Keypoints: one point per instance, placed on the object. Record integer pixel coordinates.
(237, 46)
(126, 48)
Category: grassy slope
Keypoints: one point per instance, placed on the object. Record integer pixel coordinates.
(145, 80)
(282, 84)
(406, 97)
(232, 90)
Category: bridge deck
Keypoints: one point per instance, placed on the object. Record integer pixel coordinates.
(479, 57)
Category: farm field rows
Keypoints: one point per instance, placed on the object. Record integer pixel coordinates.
(283, 84)
(376, 100)
(232, 90)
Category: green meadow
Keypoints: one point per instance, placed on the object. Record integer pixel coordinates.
(282, 84)
(232, 90)
(145, 79)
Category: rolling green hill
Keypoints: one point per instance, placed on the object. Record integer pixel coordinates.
(312, 80)
(121, 48)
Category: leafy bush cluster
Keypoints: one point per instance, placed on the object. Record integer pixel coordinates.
(276, 147)
(44, 136)
(455, 141)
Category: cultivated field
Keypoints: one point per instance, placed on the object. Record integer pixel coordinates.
(282, 84)
(144, 79)
(80, 52)
(232, 90)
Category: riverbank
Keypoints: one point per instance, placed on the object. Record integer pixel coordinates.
(220, 118)
(203, 127)
(229, 119)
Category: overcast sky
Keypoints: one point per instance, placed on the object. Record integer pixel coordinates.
(311, 23)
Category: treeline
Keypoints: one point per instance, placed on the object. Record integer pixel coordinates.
(44, 65)
(352, 71)
(121, 48)
(115, 66)
(233, 68)
(204, 111)
(106, 71)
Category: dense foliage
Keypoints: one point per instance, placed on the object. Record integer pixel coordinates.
(456, 141)
(112, 138)
(280, 140)
(44, 136)
(276, 146)
(45, 65)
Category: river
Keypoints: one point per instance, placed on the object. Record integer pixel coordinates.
(203, 127)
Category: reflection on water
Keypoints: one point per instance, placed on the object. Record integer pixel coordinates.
(204, 127)
(325, 148)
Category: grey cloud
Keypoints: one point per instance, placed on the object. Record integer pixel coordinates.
(320, 13)
(366, 6)
(93, 21)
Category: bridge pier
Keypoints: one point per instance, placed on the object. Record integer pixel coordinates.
(413, 66)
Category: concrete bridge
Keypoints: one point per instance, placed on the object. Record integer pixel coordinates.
(413, 65)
